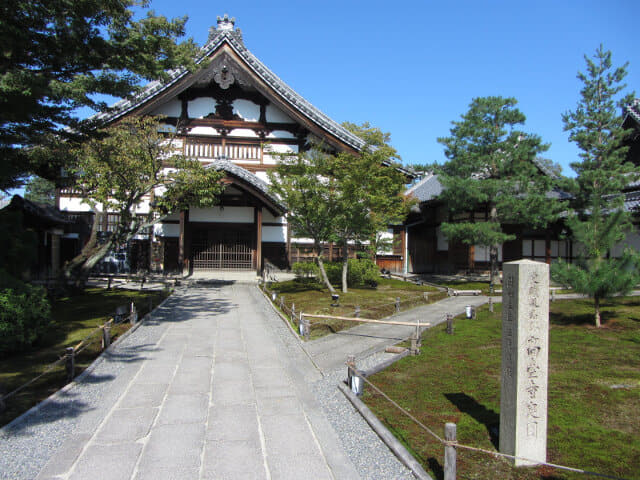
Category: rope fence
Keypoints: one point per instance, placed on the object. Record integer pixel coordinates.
(451, 444)
(70, 353)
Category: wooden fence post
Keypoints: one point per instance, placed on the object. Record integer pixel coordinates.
(70, 364)
(449, 324)
(354, 382)
(450, 452)
(106, 336)
(425, 296)
(357, 312)
(397, 304)
(142, 282)
(109, 282)
(282, 302)
(293, 312)
(133, 315)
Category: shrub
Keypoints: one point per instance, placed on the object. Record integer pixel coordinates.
(360, 272)
(24, 317)
(305, 269)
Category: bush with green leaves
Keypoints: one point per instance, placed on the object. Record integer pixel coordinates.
(362, 271)
(305, 270)
(25, 317)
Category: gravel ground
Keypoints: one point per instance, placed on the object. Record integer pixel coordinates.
(371, 457)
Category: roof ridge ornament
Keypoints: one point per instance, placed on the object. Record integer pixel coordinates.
(225, 26)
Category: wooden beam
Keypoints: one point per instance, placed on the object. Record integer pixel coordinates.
(258, 217)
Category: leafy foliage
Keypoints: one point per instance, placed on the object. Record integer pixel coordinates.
(599, 221)
(131, 161)
(58, 56)
(24, 317)
(305, 269)
(40, 190)
(493, 167)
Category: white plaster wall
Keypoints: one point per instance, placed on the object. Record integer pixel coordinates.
(274, 234)
(73, 204)
(223, 215)
(268, 217)
(201, 107)
(247, 110)
(281, 134)
(243, 132)
(203, 131)
(278, 116)
(166, 230)
(388, 237)
(172, 108)
(277, 148)
(481, 253)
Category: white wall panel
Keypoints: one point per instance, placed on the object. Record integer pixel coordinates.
(74, 204)
(222, 215)
(172, 108)
(281, 134)
(243, 132)
(247, 110)
(278, 116)
(274, 234)
(166, 230)
(201, 107)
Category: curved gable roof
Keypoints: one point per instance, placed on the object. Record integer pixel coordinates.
(182, 79)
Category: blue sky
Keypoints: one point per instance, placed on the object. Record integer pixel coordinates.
(411, 67)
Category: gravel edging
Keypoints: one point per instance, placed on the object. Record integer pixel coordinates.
(387, 437)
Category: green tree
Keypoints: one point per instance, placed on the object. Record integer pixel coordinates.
(130, 162)
(493, 168)
(369, 192)
(58, 56)
(599, 221)
(308, 190)
(40, 190)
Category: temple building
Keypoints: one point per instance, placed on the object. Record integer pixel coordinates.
(237, 116)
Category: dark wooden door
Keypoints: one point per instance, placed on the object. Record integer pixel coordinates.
(222, 248)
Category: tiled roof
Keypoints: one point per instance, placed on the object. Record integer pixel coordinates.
(234, 40)
(46, 213)
(426, 189)
(633, 109)
(632, 201)
(245, 175)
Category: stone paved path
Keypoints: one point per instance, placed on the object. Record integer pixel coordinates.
(210, 396)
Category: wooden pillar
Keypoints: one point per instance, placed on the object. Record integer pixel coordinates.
(547, 248)
(183, 239)
(471, 259)
(258, 217)
(288, 242)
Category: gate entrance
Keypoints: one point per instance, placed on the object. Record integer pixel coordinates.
(223, 248)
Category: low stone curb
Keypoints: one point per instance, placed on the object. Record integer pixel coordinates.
(99, 359)
(385, 435)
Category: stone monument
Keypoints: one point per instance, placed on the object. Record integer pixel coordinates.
(525, 354)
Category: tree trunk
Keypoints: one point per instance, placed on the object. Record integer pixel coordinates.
(493, 260)
(323, 272)
(345, 266)
(596, 304)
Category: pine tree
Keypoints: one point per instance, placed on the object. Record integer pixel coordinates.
(494, 168)
(59, 56)
(599, 220)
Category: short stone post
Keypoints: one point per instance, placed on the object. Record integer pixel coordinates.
(106, 336)
(450, 452)
(293, 311)
(449, 324)
(491, 304)
(307, 328)
(273, 296)
(356, 314)
(70, 364)
(397, 304)
(525, 353)
(354, 382)
(133, 315)
(282, 302)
